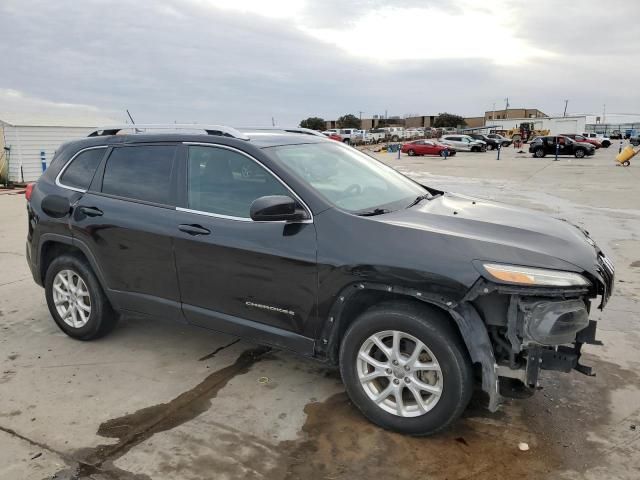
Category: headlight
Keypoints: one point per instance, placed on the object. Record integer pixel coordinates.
(534, 276)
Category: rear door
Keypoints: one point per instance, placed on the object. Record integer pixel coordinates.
(126, 221)
(252, 279)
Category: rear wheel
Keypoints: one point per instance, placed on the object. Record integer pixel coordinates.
(606, 144)
(539, 152)
(579, 153)
(406, 369)
(626, 163)
(76, 300)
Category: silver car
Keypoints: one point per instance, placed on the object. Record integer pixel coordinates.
(464, 142)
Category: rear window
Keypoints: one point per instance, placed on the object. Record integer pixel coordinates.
(140, 173)
(81, 170)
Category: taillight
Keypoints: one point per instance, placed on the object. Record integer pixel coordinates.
(28, 191)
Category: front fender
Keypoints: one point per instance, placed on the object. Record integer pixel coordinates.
(469, 323)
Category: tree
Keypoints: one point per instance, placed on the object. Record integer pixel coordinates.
(449, 120)
(314, 123)
(348, 121)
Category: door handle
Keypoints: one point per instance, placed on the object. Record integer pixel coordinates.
(91, 211)
(194, 229)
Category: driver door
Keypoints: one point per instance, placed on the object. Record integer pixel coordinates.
(246, 278)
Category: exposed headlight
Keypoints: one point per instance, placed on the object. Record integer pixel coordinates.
(534, 276)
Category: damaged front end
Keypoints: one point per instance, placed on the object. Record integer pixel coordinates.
(541, 328)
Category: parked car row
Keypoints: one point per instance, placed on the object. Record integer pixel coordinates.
(385, 134)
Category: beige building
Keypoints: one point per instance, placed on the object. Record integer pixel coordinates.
(474, 122)
(513, 113)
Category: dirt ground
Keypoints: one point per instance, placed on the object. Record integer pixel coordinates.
(157, 400)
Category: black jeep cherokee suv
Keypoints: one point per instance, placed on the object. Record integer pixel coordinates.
(305, 244)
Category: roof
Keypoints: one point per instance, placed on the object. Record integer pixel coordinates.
(257, 138)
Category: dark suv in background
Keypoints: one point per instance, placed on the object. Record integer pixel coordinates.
(542, 146)
(492, 143)
(292, 240)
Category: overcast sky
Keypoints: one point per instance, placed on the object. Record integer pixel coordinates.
(243, 62)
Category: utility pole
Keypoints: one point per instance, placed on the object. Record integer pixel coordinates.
(360, 112)
(506, 107)
(566, 102)
(604, 113)
(273, 122)
(493, 112)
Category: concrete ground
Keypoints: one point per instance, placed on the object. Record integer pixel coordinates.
(157, 400)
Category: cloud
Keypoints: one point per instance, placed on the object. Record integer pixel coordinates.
(244, 62)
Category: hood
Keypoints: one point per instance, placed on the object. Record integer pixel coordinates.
(505, 227)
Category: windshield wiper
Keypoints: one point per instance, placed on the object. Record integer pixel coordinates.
(374, 212)
(426, 196)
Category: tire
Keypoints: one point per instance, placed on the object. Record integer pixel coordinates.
(475, 149)
(347, 141)
(99, 320)
(490, 147)
(395, 138)
(580, 153)
(446, 353)
(606, 144)
(626, 163)
(442, 154)
(411, 153)
(539, 153)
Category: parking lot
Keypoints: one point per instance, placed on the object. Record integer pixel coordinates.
(158, 400)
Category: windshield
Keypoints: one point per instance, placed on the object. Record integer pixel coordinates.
(347, 178)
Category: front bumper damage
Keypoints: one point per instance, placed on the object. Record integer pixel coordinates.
(546, 335)
(534, 329)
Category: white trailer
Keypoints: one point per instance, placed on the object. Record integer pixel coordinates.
(25, 144)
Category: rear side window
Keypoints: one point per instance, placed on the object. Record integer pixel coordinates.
(140, 173)
(80, 171)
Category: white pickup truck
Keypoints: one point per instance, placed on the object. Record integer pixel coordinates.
(378, 135)
(349, 135)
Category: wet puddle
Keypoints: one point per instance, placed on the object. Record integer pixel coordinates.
(337, 442)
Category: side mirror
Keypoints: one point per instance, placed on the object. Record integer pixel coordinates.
(56, 206)
(275, 208)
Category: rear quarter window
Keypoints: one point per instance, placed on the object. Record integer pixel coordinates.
(80, 172)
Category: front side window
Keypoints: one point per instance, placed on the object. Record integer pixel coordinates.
(225, 182)
(346, 177)
(81, 170)
(140, 173)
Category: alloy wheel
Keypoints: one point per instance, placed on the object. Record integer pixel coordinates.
(71, 298)
(399, 373)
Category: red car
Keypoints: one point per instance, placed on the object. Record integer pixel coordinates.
(333, 136)
(427, 147)
(579, 138)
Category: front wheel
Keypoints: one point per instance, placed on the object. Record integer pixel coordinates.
(579, 153)
(539, 152)
(406, 369)
(411, 153)
(489, 147)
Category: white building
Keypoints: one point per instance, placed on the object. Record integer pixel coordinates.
(25, 141)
